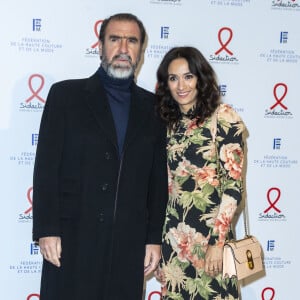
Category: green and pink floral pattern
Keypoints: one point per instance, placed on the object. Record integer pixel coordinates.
(204, 193)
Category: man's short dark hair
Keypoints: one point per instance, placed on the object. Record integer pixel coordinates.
(122, 17)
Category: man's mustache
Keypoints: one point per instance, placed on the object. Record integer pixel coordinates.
(123, 56)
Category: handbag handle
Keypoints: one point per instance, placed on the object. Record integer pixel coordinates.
(213, 131)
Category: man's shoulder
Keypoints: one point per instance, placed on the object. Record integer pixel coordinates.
(77, 85)
(72, 89)
(70, 83)
(143, 92)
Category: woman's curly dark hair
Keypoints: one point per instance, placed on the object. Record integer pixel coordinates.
(208, 91)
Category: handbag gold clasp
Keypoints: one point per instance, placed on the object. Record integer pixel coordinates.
(250, 260)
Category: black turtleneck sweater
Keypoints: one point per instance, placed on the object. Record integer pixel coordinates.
(119, 95)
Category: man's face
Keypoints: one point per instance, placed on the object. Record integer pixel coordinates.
(121, 49)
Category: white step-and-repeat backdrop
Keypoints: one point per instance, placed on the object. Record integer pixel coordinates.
(254, 46)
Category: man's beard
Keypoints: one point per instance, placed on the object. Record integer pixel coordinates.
(119, 70)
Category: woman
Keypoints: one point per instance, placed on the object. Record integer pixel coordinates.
(200, 208)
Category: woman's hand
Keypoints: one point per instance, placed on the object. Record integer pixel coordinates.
(152, 257)
(159, 275)
(213, 260)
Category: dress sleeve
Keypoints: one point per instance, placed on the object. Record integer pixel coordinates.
(230, 147)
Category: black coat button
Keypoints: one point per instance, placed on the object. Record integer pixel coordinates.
(104, 187)
(107, 155)
(101, 217)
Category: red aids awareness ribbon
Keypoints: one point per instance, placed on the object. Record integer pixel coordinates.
(279, 100)
(224, 45)
(154, 293)
(272, 204)
(35, 93)
(97, 33)
(29, 198)
(264, 291)
(33, 295)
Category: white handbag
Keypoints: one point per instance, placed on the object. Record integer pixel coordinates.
(241, 258)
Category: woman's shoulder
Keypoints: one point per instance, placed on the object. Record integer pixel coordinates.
(228, 114)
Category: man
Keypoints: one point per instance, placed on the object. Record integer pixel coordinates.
(100, 179)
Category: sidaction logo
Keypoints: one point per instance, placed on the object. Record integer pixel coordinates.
(26, 216)
(272, 212)
(34, 102)
(285, 4)
(279, 109)
(268, 293)
(93, 50)
(155, 295)
(224, 54)
(33, 297)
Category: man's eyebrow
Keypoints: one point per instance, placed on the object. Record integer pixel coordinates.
(114, 36)
(123, 37)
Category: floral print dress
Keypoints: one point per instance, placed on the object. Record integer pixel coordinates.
(199, 211)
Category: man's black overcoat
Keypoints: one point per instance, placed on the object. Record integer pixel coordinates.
(104, 206)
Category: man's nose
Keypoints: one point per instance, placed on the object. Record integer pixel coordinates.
(124, 45)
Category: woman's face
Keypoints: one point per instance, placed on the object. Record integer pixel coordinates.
(182, 84)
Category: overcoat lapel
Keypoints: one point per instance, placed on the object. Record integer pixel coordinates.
(99, 106)
(138, 115)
